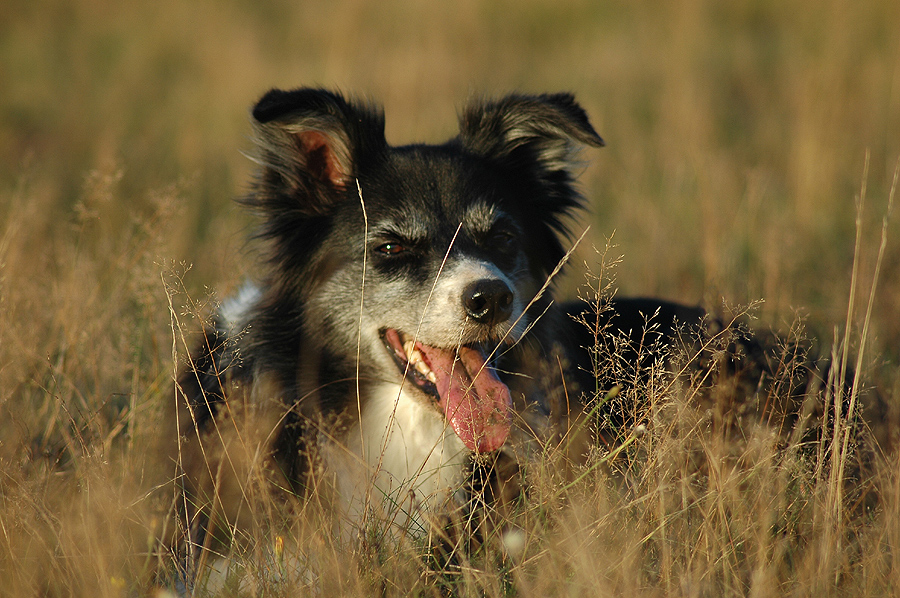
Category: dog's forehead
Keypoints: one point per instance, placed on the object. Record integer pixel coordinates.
(479, 216)
(438, 185)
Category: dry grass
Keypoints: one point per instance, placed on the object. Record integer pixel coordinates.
(738, 134)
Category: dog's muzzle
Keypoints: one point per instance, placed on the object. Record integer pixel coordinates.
(475, 402)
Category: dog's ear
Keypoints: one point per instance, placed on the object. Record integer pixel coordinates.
(535, 139)
(528, 131)
(309, 144)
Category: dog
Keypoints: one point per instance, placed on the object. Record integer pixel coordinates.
(399, 349)
(394, 334)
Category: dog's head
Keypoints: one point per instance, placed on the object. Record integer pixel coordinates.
(423, 258)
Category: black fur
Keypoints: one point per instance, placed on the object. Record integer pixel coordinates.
(495, 196)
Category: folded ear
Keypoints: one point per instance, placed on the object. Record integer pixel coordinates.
(544, 130)
(309, 144)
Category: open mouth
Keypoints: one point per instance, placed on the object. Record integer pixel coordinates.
(475, 402)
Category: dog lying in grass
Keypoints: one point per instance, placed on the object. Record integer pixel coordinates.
(399, 352)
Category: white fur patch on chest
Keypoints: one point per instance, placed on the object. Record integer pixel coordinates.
(399, 461)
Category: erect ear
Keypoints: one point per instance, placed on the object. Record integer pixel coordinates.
(536, 140)
(309, 143)
(542, 131)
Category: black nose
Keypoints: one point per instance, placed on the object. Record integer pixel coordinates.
(488, 301)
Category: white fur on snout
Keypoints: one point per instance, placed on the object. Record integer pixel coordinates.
(445, 318)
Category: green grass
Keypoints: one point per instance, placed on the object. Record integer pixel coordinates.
(738, 135)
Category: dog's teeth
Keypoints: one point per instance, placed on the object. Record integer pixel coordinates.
(426, 371)
(413, 355)
(417, 360)
(422, 368)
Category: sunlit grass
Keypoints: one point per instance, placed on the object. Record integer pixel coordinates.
(737, 140)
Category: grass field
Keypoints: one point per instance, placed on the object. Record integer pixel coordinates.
(741, 137)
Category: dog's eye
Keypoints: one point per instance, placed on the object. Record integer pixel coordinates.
(502, 240)
(390, 248)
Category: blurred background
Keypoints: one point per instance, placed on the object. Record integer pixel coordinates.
(737, 137)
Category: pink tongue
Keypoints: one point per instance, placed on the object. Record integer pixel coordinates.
(478, 410)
